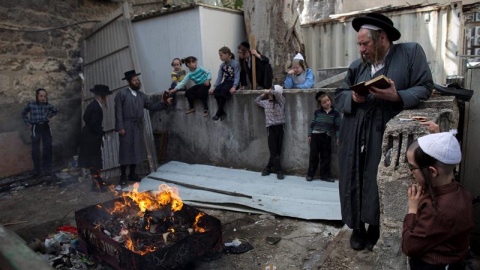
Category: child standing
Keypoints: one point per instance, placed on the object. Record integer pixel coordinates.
(178, 73)
(40, 113)
(201, 77)
(274, 104)
(325, 124)
(299, 77)
(227, 81)
(436, 230)
(90, 156)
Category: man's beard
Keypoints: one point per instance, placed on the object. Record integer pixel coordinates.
(135, 88)
(377, 57)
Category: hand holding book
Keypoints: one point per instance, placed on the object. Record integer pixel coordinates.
(363, 88)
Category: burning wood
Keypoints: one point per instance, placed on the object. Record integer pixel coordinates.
(147, 223)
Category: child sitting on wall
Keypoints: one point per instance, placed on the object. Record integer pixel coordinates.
(436, 230)
(177, 74)
(298, 76)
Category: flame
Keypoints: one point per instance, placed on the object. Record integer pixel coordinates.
(195, 225)
(132, 247)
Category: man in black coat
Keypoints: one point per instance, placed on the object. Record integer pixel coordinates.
(90, 156)
(263, 68)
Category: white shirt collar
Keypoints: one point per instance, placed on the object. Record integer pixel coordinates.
(99, 103)
(133, 91)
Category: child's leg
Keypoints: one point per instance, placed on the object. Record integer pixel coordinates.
(47, 147)
(313, 159)
(189, 96)
(204, 97)
(271, 146)
(279, 147)
(275, 138)
(36, 149)
(325, 155)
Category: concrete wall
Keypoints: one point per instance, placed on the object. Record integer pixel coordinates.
(199, 32)
(240, 141)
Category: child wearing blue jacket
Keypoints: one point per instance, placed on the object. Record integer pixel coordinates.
(299, 77)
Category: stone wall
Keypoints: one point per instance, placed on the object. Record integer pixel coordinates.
(29, 60)
(394, 176)
(240, 141)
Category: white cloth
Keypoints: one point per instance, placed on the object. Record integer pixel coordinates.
(298, 56)
(443, 146)
(371, 27)
(133, 92)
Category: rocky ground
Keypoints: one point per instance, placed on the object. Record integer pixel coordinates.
(37, 210)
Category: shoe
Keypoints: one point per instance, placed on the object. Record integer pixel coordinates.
(358, 239)
(373, 234)
(190, 111)
(327, 179)
(223, 116)
(266, 171)
(280, 175)
(123, 180)
(134, 178)
(206, 113)
(309, 178)
(215, 118)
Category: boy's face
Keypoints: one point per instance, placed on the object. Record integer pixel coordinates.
(297, 68)
(325, 103)
(192, 65)
(224, 56)
(177, 65)
(42, 96)
(414, 169)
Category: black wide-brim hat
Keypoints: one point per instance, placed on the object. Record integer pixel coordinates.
(378, 20)
(129, 74)
(101, 90)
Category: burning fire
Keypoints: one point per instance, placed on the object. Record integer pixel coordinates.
(195, 225)
(148, 201)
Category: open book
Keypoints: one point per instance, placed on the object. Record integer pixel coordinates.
(361, 88)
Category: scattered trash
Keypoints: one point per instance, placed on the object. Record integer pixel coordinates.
(272, 240)
(270, 267)
(266, 216)
(237, 246)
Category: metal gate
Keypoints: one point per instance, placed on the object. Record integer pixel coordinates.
(109, 51)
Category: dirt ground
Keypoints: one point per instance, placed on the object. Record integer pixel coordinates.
(36, 211)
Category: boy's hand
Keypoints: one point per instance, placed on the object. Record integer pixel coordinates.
(207, 83)
(337, 141)
(414, 196)
(432, 126)
(121, 132)
(169, 101)
(291, 71)
(255, 53)
(211, 91)
(232, 90)
(173, 90)
(309, 139)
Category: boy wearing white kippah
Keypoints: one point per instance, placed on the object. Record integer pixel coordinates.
(436, 230)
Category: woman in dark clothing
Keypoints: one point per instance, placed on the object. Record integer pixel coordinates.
(92, 135)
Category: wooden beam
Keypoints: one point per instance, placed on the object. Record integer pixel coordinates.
(331, 80)
(254, 69)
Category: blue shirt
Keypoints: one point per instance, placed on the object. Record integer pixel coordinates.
(39, 112)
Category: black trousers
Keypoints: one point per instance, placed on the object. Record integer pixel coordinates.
(418, 264)
(320, 144)
(275, 142)
(198, 91)
(41, 133)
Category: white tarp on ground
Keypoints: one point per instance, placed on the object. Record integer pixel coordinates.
(292, 197)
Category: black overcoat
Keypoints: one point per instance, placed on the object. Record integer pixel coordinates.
(91, 140)
(363, 125)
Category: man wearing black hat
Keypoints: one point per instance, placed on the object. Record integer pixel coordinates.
(90, 156)
(263, 68)
(365, 117)
(129, 105)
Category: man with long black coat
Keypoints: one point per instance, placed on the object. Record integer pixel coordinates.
(365, 117)
(90, 156)
(129, 123)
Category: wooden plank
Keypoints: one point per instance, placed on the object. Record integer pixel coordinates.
(333, 79)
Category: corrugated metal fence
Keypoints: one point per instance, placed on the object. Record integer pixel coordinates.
(333, 43)
(109, 51)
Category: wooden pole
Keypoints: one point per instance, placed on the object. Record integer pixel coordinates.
(254, 67)
(236, 194)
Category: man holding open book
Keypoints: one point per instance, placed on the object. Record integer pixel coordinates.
(386, 79)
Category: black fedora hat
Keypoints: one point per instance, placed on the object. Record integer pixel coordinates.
(129, 74)
(101, 90)
(378, 20)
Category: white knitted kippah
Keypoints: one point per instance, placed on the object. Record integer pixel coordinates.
(298, 57)
(443, 146)
(371, 27)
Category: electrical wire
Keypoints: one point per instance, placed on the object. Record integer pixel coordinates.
(49, 29)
